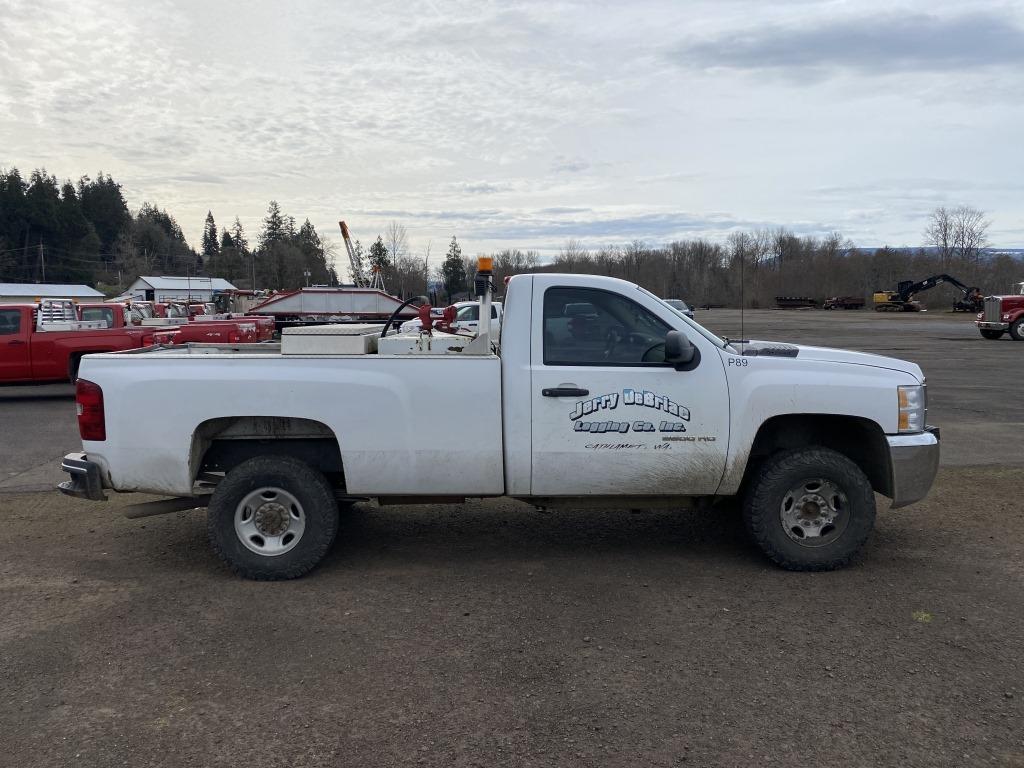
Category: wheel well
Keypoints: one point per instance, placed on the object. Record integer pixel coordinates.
(860, 440)
(219, 445)
(75, 359)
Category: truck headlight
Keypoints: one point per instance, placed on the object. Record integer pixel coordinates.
(913, 405)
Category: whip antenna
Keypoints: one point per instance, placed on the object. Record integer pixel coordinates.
(743, 259)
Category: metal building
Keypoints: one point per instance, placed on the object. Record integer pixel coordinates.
(164, 288)
(19, 293)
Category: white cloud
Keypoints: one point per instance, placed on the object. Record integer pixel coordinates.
(525, 123)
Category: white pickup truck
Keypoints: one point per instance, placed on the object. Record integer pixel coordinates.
(599, 393)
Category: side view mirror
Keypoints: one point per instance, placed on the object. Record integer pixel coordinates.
(678, 348)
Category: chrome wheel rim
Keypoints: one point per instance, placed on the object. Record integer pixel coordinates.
(269, 521)
(814, 513)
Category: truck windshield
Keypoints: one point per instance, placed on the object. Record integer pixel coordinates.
(692, 323)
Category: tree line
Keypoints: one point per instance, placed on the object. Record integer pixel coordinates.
(756, 267)
(64, 232)
(84, 232)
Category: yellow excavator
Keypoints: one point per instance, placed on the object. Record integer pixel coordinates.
(902, 299)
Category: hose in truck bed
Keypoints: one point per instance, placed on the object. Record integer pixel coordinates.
(394, 315)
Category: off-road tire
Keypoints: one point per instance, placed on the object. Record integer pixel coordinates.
(1017, 329)
(306, 484)
(776, 476)
(991, 335)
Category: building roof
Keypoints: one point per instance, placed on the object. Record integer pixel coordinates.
(164, 283)
(31, 290)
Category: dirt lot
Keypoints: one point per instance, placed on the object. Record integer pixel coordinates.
(488, 634)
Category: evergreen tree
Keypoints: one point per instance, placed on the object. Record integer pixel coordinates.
(314, 254)
(378, 255)
(275, 226)
(77, 242)
(238, 238)
(13, 225)
(210, 245)
(163, 245)
(229, 260)
(453, 271)
(104, 205)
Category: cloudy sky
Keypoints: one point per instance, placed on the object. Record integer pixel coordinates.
(526, 124)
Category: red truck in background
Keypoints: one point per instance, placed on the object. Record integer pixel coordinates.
(1002, 314)
(45, 342)
(167, 318)
(238, 331)
(115, 315)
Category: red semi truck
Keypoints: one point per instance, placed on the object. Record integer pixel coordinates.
(1002, 314)
(45, 342)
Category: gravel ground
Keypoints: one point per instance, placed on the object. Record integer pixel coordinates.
(489, 634)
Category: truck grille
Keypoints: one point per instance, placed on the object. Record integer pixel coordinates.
(993, 308)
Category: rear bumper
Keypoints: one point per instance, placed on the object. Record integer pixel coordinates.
(915, 462)
(987, 326)
(85, 480)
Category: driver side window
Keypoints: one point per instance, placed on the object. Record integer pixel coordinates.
(586, 326)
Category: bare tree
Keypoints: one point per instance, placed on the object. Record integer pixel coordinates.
(939, 233)
(397, 242)
(970, 232)
(960, 232)
(426, 269)
(571, 254)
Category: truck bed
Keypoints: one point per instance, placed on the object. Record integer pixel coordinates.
(196, 349)
(396, 436)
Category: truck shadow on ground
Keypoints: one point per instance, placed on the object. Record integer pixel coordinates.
(502, 530)
(488, 534)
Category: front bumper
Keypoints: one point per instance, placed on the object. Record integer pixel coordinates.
(85, 482)
(915, 461)
(987, 326)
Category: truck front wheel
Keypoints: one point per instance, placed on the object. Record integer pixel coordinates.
(1017, 329)
(809, 509)
(272, 518)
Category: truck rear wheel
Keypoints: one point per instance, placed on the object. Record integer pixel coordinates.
(272, 518)
(1017, 329)
(991, 334)
(809, 509)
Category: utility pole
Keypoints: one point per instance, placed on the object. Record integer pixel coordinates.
(254, 271)
(42, 260)
(307, 273)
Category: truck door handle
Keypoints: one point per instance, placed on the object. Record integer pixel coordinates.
(15, 343)
(565, 392)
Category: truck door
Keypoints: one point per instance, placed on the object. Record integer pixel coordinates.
(15, 356)
(609, 416)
